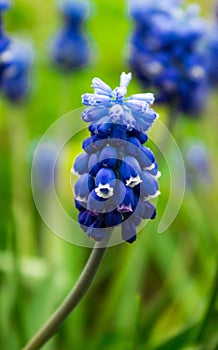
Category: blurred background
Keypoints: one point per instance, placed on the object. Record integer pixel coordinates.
(158, 293)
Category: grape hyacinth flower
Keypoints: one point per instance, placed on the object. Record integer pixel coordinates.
(117, 173)
(15, 64)
(197, 164)
(44, 158)
(166, 53)
(69, 48)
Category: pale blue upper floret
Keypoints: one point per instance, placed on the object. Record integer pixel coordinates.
(130, 111)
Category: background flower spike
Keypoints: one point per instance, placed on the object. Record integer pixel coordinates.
(16, 59)
(166, 53)
(69, 48)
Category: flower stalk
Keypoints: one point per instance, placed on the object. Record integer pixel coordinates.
(71, 301)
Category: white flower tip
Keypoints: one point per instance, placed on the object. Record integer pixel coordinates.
(104, 194)
(152, 166)
(133, 181)
(125, 79)
(81, 199)
(151, 196)
(73, 172)
(96, 81)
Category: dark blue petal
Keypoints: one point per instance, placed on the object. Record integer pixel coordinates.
(86, 219)
(118, 135)
(140, 136)
(104, 128)
(113, 218)
(139, 206)
(94, 165)
(128, 231)
(132, 146)
(127, 204)
(88, 145)
(83, 187)
(146, 158)
(95, 203)
(108, 157)
(81, 164)
(96, 231)
(136, 219)
(154, 170)
(99, 142)
(81, 206)
(149, 211)
(119, 193)
(104, 176)
(149, 187)
(130, 171)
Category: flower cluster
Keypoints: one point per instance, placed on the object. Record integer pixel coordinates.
(15, 63)
(118, 174)
(69, 48)
(165, 52)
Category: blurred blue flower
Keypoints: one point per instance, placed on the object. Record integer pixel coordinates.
(15, 63)
(69, 47)
(4, 4)
(197, 164)
(165, 52)
(45, 162)
(118, 175)
(212, 48)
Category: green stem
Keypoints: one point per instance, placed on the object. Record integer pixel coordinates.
(71, 301)
(212, 300)
(173, 116)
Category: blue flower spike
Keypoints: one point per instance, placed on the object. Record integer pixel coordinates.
(166, 52)
(69, 48)
(15, 82)
(118, 175)
(15, 64)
